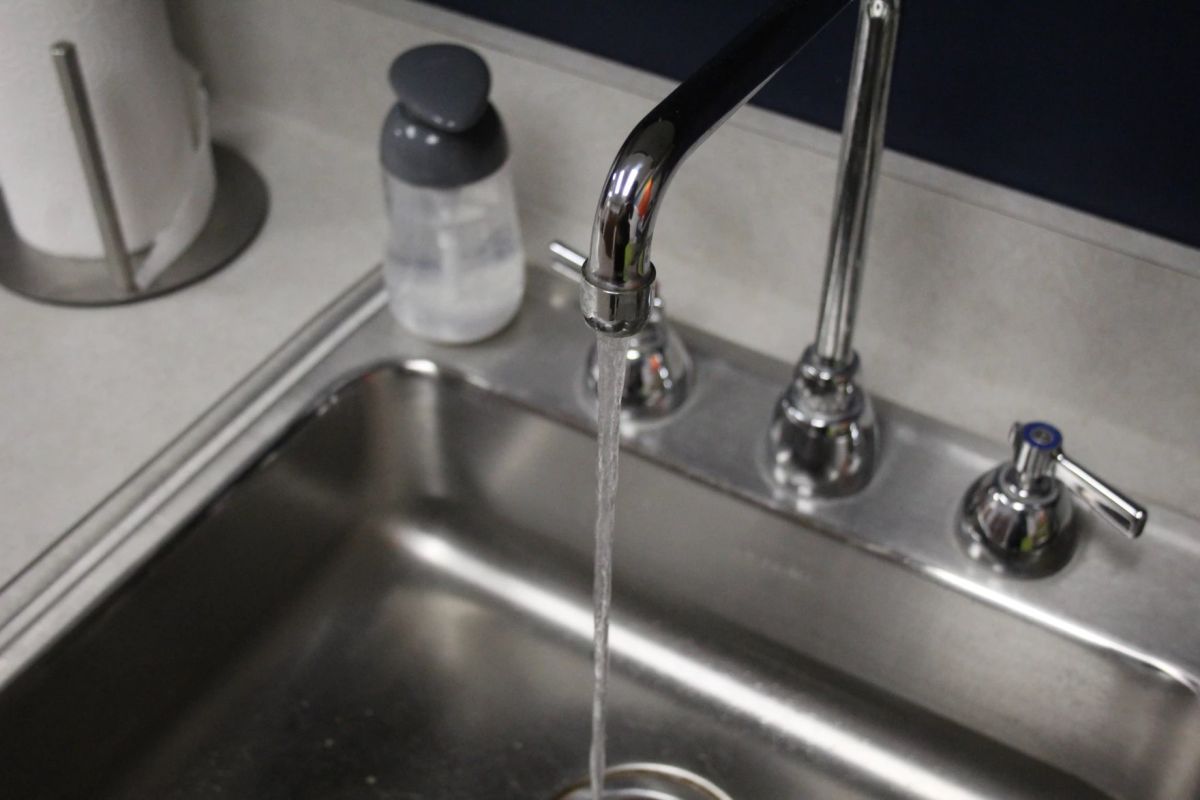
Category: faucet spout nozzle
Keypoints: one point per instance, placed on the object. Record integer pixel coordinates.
(616, 310)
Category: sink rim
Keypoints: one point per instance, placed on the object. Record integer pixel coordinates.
(356, 337)
(447, 530)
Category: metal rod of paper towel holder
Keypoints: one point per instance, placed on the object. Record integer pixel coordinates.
(238, 208)
(83, 125)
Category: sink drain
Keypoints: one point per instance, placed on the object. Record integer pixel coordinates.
(648, 782)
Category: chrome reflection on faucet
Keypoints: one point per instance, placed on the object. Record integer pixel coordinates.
(822, 437)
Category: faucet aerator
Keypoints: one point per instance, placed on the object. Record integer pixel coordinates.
(616, 311)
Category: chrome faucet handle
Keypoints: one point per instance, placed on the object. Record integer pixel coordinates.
(567, 261)
(1018, 516)
(658, 368)
(1038, 453)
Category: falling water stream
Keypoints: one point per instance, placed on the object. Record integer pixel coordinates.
(611, 357)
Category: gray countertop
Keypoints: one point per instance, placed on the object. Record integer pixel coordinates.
(89, 395)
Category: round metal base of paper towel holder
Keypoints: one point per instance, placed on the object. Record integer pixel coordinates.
(238, 210)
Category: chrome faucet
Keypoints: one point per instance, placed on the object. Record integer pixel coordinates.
(822, 436)
(658, 367)
(1018, 516)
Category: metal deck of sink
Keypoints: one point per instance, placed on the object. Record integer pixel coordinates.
(366, 573)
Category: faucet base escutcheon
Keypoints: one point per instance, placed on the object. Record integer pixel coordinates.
(822, 440)
(1018, 531)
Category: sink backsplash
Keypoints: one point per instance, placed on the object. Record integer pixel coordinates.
(981, 305)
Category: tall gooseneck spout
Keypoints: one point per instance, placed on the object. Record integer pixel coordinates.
(822, 439)
(616, 293)
(858, 171)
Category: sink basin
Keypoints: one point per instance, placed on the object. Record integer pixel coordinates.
(388, 595)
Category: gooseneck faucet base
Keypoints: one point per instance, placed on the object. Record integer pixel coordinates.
(822, 439)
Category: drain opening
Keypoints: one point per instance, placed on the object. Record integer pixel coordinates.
(648, 782)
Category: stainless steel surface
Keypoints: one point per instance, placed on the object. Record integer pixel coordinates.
(367, 574)
(658, 369)
(615, 295)
(238, 212)
(822, 438)
(1018, 515)
(91, 157)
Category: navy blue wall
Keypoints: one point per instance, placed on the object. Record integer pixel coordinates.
(1090, 103)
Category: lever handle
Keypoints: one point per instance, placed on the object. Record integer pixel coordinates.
(1037, 453)
(567, 260)
(1115, 508)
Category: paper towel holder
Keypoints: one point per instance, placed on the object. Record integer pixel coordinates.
(239, 208)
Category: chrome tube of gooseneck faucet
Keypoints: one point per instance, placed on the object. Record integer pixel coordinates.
(822, 436)
(858, 169)
(87, 141)
(615, 295)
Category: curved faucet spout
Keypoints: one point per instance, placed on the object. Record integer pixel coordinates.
(618, 277)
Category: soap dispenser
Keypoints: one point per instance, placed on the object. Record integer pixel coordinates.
(454, 267)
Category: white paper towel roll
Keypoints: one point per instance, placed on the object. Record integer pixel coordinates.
(150, 119)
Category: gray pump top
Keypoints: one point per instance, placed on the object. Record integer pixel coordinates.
(442, 132)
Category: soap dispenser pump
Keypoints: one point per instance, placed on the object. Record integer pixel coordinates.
(455, 266)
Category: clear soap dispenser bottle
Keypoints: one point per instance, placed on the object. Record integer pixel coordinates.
(454, 267)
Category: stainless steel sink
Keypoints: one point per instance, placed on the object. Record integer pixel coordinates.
(367, 574)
